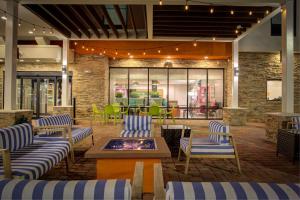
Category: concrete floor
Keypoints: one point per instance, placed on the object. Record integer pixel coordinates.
(257, 156)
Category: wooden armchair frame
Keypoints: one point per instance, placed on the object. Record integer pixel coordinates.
(6, 162)
(188, 154)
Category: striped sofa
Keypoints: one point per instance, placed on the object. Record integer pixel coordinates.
(218, 144)
(137, 126)
(221, 190)
(27, 157)
(74, 134)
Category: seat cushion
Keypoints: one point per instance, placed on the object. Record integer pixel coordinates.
(135, 122)
(16, 137)
(78, 134)
(39, 189)
(33, 161)
(55, 120)
(216, 126)
(202, 146)
(126, 133)
(231, 190)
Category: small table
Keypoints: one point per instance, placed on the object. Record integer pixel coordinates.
(172, 135)
(116, 160)
(288, 143)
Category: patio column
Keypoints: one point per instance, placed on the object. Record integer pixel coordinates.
(235, 74)
(288, 56)
(65, 78)
(11, 34)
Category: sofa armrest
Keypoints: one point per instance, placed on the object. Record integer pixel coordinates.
(138, 181)
(204, 132)
(64, 129)
(158, 183)
(6, 162)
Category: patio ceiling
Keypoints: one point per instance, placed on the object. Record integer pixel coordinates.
(125, 21)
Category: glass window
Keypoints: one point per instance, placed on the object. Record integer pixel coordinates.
(178, 91)
(197, 94)
(119, 86)
(274, 90)
(215, 93)
(138, 87)
(158, 87)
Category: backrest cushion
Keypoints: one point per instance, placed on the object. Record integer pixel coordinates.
(80, 189)
(216, 126)
(135, 122)
(55, 120)
(231, 190)
(16, 137)
(296, 122)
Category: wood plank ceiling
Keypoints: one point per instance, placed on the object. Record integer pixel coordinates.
(130, 21)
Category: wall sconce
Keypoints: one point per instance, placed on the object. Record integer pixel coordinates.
(236, 71)
(64, 69)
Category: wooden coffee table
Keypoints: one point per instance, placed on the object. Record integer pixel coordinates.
(116, 164)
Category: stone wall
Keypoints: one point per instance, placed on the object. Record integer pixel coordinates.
(254, 71)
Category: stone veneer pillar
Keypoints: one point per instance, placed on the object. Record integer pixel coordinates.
(10, 117)
(235, 116)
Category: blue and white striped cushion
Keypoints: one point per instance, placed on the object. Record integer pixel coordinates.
(199, 147)
(231, 190)
(215, 126)
(16, 137)
(78, 134)
(135, 122)
(55, 120)
(81, 189)
(34, 160)
(126, 133)
(296, 122)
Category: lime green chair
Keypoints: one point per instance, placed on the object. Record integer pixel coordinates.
(118, 111)
(109, 112)
(155, 110)
(97, 114)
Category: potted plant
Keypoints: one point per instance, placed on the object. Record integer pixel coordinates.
(119, 95)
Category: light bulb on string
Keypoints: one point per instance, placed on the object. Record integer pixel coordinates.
(114, 58)
(195, 44)
(186, 7)
(82, 47)
(116, 52)
(267, 12)
(177, 49)
(128, 54)
(34, 29)
(144, 53)
(250, 12)
(232, 12)
(104, 52)
(211, 11)
(160, 2)
(20, 23)
(92, 49)
(158, 51)
(75, 43)
(4, 17)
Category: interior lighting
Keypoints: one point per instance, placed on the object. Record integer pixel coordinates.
(114, 58)
(93, 49)
(100, 54)
(51, 31)
(44, 31)
(131, 56)
(236, 31)
(144, 53)
(205, 57)
(34, 29)
(104, 52)
(128, 54)
(4, 17)
(37, 60)
(258, 21)
(87, 49)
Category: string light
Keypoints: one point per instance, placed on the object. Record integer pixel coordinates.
(131, 56)
(186, 7)
(267, 12)
(51, 31)
(116, 52)
(82, 46)
(158, 51)
(214, 38)
(34, 29)
(114, 58)
(20, 23)
(211, 11)
(144, 53)
(177, 49)
(44, 31)
(100, 54)
(250, 13)
(93, 49)
(160, 2)
(232, 12)
(258, 21)
(128, 54)
(104, 52)
(236, 31)
(87, 49)
(205, 57)
(195, 44)
(75, 43)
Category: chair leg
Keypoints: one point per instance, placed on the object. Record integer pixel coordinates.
(93, 140)
(187, 164)
(179, 154)
(238, 164)
(67, 163)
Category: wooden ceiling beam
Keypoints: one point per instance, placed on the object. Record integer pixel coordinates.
(73, 16)
(37, 10)
(207, 29)
(179, 20)
(62, 18)
(121, 18)
(208, 15)
(108, 19)
(83, 14)
(132, 20)
(221, 35)
(204, 25)
(94, 13)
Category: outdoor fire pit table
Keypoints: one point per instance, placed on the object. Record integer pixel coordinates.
(172, 135)
(116, 157)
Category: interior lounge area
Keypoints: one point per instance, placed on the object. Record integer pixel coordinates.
(149, 99)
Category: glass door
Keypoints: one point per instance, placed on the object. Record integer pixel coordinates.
(46, 96)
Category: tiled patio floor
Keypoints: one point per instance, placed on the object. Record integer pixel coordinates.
(257, 156)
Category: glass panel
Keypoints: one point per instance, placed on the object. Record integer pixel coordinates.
(178, 91)
(158, 87)
(197, 94)
(215, 93)
(19, 88)
(29, 94)
(47, 89)
(138, 84)
(119, 86)
(274, 90)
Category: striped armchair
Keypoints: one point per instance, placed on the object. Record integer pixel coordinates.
(25, 156)
(118, 189)
(137, 126)
(74, 134)
(218, 144)
(221, 190)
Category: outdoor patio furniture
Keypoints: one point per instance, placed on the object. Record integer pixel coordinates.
(294, 123)
(171, 113)
(118, 189)
(27, 157)
(221, 190)
(156, 111)
(218, 144)
(97, 113)
(74, 134)
(137, 126)
(288, 143)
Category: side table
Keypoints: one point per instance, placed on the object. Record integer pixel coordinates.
(288, 141)
(172, 135)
